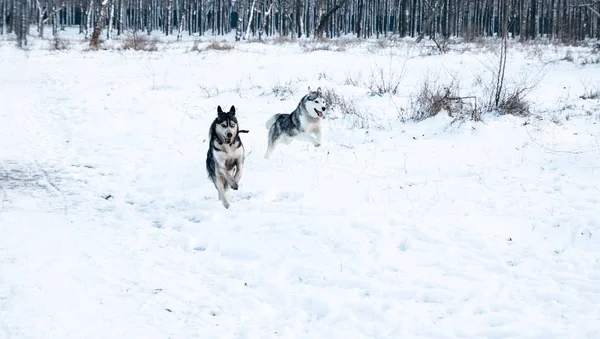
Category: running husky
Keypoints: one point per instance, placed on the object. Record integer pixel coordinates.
(225, 153)
(301, 124)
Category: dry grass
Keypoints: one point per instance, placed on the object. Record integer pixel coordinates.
(591, 92)
(335, 45)
(385, 81)
(283, 90)
(213, 45)
(141, 43)
(219, 46)
(348, 108)
(353, 79)
(59, 44)
(434, 97)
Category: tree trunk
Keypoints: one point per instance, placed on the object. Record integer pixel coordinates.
(88, 18)
(325, 17)
(265, 17)
(250, 20)
(95, 41)
(41, 11)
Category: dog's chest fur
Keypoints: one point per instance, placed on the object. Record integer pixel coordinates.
(228, 155)
(310, 125)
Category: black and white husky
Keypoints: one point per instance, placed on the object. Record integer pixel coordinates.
(304, 123)
(225, 157)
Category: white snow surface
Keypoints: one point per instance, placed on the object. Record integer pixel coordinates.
(109, 227)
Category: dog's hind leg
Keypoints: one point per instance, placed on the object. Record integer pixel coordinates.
(270, 147)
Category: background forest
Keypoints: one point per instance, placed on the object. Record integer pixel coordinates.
(565, 20)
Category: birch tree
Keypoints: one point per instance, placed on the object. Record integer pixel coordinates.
(94, 42)
(564, 20)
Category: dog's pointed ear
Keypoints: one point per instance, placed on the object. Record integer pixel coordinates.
(232, 110)
(309, 89)
(319, 90)
(220, 110)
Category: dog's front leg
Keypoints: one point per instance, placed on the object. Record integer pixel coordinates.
(309, 138)
(317, 133)
(229, 181)
(238, 171)
(219, 183)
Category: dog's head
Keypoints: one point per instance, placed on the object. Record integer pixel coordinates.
(225, 126)
(315, 104)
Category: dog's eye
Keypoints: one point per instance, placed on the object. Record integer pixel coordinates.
(224, 125)
(232, 124)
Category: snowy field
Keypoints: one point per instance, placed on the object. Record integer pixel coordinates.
(109, 227)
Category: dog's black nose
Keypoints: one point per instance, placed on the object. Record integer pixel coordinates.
(324, 108)
(229, 134)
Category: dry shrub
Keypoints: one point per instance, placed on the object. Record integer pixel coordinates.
(513, 99)
(353, 79)
(282, 39)
(434, 97)
(282, 90)
(335, 100)
(378, 45)
(308, 47)
(385, 81)
(568, 56)
(504, 96)
(209, 91)
(335, 45)
(219, 46)
(141, 43)
(590, 59)
(348, 108)
(213, 45)
(514, 102)
(591, 92)
(59, 44)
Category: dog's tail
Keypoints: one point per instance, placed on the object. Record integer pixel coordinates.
(272, 120)
(243, 131)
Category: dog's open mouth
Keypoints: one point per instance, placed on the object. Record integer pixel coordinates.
(319, 113)
(228, 141)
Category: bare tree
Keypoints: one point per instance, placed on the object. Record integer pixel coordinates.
(95, 41)
(503, 55)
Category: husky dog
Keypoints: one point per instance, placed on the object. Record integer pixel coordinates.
(225, 153)
(301, 124)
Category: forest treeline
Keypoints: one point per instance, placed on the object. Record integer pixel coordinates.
(564, 20)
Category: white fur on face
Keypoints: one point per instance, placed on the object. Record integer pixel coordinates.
(226, 127)
(319, 104)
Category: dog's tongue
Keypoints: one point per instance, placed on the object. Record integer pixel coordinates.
(320, 114)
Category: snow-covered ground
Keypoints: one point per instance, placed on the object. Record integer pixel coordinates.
(109, 227)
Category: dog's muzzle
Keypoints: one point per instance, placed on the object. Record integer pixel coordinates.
(319, 113)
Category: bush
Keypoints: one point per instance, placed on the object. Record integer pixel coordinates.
(141, 43)
(434, 97)
(384, 81)
(59, 44)
(348, 108)
(219, 46)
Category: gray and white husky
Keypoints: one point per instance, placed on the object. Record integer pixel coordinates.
(304, 123)
(226, 155)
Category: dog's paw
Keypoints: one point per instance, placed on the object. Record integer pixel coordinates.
(234, 186)
(317, 144)
(226, 204)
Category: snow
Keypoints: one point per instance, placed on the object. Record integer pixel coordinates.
(109, 227)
